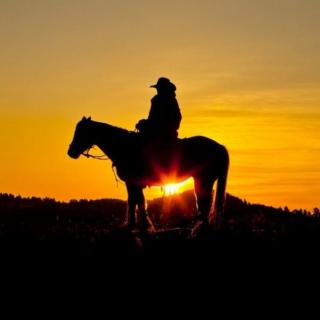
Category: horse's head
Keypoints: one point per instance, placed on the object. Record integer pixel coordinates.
(82, 139)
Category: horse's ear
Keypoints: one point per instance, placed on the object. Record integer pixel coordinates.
(84, 118)
(89, 118)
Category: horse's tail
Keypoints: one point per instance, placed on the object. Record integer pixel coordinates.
(220, 194)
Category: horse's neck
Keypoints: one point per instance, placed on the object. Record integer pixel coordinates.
(108, 138)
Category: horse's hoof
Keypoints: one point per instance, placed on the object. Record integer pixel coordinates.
(128, 227)
(146, 226)
(200, 229)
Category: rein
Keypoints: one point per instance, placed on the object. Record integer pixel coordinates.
(102, 157)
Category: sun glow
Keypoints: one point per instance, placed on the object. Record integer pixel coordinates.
(174, 188)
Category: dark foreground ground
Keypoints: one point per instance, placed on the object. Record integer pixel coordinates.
(173, 244)
(43, 234)
(75, 255)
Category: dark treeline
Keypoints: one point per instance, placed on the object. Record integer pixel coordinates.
(22, 214)
(15, 209)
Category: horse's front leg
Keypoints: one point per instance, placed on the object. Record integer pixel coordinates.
(131, 207)
(145, 222)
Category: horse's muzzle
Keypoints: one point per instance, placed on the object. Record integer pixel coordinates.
(72, 154)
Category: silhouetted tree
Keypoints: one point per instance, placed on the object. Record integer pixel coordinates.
(316, 212)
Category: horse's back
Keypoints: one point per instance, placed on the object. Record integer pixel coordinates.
(201, 145)
(202, 154)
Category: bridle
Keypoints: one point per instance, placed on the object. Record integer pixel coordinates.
(97, 157)
(101, 157)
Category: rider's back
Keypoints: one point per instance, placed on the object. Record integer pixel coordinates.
(164, 116)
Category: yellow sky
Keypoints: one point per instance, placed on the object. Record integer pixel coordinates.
(247, 74)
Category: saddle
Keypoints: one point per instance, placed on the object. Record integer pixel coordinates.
(156, 154)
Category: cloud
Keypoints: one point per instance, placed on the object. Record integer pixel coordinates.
(227, 113)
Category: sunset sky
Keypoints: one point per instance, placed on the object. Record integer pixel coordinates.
(247, 74)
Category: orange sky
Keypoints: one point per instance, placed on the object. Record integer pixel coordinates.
(247, 74)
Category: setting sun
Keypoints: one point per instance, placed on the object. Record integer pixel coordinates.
(174, 188)
(171, 189)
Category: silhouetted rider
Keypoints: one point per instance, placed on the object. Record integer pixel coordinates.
(164, 117)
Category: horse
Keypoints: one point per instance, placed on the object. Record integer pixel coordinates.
(140, 163)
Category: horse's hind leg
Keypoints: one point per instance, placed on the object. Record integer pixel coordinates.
(203, 189)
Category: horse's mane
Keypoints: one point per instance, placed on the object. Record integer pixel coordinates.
(116, 130)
